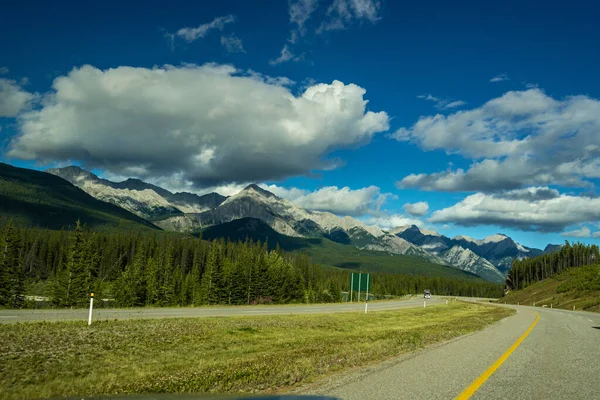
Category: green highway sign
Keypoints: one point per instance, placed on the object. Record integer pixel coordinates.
(360, 283)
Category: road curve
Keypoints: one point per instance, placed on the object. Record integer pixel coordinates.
(12, 316)
(559, 359)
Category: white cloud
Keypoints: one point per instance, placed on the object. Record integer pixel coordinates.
(343, 201)
(274, 80)
(583, 232)
(300, 11)
(210, 123)
(532, 209)
(596, 234)
(390, 221)
(285, 56)
(499, 78)
(3, 70)
(521, 138)
(442, 103)
(343, 13)
(191, 34)
(289, 194)
(454, 104)
(417, 209)
(13, 98)
(233, 44)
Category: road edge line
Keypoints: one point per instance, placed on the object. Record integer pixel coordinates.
(472, 388)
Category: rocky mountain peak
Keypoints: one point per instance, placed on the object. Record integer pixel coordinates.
(255, 188)
(73, 173)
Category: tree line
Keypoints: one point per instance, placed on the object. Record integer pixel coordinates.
(530, 270)
(169, 269)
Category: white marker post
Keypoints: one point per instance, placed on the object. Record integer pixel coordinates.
(359, 274)
(91, 308)
(351, 285)
(446, 302)
(424, 303)
(367, 298)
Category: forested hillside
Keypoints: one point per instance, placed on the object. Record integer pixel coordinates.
(155, 268)
(328, 252)
(573, 287)
(530, 270)
(38, 199)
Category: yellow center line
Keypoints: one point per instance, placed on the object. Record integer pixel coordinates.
(472, 388)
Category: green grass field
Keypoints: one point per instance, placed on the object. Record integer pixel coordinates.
(228, 354)
(579, 287)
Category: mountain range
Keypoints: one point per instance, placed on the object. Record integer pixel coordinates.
(141, 198)
(37, 199)
(489, 258)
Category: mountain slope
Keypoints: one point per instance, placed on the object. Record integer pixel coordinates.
(141, 198)
(452, 252)
(34, 198)
(288, 219)
(579, 287)
(466, 260)
(327, 252)
(498, 250)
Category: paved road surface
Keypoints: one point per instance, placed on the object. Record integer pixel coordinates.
(559, 359)
(8, 316)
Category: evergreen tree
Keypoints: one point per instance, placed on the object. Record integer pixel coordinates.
(9, 259)
(72, 282)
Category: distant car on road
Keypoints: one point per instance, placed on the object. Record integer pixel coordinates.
(427, 294)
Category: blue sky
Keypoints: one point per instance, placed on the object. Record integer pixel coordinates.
(525, 141)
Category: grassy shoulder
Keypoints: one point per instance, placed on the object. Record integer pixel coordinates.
(224, 354)
(579, 287)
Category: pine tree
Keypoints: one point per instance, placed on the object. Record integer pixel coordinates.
(131, 287)
(152, 282)
(71, 286)
(7, 260)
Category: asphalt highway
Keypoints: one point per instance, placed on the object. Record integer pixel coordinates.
(559, 358)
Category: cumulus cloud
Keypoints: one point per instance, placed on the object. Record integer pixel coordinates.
(3, 70)
(391, 220)
(416, 209)
(499, 78)
(541, 209)
(596, 234)
(521, 138)
(343, 13)
(191, 34)
(442, 103)
(211, 123)
(13, 98)
(232, 43)
(343, 201)
(583, 232)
